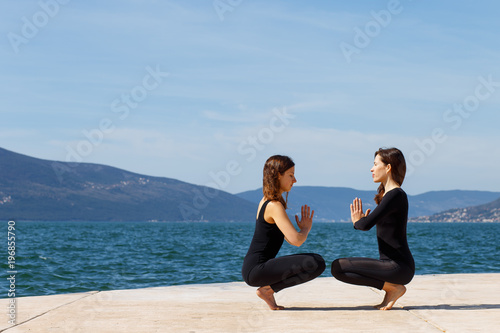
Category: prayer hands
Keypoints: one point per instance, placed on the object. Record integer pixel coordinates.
(357, 210)
(306, 218)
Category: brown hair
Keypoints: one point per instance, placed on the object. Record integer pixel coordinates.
(395, 158)
(275, 165)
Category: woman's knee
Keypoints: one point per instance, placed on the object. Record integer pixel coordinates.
(318, 263)
(336, 268)
(321, 263)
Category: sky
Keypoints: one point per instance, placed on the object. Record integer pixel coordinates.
(205, 91)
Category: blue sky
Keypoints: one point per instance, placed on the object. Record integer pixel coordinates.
(206, 91)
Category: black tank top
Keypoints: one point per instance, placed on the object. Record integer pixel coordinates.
(266, 243)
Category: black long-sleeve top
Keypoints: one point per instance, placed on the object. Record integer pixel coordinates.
(391, 218)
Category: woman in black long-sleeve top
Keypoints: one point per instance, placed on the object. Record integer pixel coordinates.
(396, 267)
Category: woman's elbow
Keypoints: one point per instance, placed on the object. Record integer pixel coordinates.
(360, 226)
(297, 241)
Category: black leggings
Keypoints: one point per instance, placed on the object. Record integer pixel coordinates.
(371, 272)
(287, 271)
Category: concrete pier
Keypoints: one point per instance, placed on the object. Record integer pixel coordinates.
(433, 303)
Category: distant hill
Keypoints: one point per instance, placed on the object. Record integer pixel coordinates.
(332, 203)
(438, 201)
(36, 189)
(489, 212)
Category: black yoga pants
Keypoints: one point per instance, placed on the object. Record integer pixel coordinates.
(371, 272)
(287, 271)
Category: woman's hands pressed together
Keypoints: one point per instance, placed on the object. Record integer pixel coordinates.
(357, 210)
(306, 219)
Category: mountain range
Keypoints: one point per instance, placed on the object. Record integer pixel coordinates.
(489, 212)
(37, 189)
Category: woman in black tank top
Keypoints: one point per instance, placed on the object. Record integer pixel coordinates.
(261, 268)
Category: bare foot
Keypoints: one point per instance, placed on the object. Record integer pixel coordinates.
(267, 294)
(392, 293)
(384, 302)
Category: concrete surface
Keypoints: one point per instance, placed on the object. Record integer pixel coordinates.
(433, 303)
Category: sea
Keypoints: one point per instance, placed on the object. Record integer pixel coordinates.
(67, 257)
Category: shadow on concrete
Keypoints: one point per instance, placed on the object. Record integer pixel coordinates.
(453, 307)
(333, 308)
(396, 307)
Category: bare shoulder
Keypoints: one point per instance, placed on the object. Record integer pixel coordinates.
(275, 205)
(274, 209)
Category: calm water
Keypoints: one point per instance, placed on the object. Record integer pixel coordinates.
(68, 257)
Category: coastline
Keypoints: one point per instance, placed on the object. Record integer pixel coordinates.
(433, 303)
